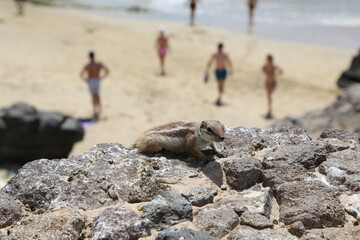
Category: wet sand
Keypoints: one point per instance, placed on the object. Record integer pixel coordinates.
(44, 51)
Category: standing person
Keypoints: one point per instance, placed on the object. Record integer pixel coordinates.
(91, 74)
(192, 10)
(20, 6)
(222, 61)
(270, 71)
(251, 6)
(162, 45)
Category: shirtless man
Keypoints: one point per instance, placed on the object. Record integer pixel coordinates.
(222, 61)
(91, 74)
(192, 10)
(20, 6)
(251, 5)
(162, 46)
(270, 70)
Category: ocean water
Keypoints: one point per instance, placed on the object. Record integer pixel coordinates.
(294, 20)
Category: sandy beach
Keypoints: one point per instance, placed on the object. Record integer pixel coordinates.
(43, 52)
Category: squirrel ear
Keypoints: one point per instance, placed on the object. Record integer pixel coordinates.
(202, 124)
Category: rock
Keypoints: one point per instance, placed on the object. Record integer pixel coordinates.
(248, 233)
(10, 211)
(332, 234)
(145, 190)
(243, 173)
(168, 207)
(250, 139)
(343, 114)
(198, 196)
(51, 226)
(353, 206)
(105, 175)
(255, 220)
(119, 223)
(297, 229)
(184, 234)
(277, 173)
(310, 201)
(214, 172)
(342, 135)
(350, 76)
(218, 222)
(309, 155)
(3, 237)
(343, 168)
(27, 134)
(334, 145)
(255, 200)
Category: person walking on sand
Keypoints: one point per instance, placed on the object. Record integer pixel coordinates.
(251, 6)
(270, 71)
(20, 6)
(91, 74)
(192, 10)
(162, 46)
(222, 61)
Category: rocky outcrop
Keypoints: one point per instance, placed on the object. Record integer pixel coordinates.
(343, 114)
(245, 232)
(343, 168)
(255, 200)
(65, 224)
(184, 233)
(168, 207)
(111, 192)
(309, 154)
(199, 196)
(27, 134)
(218, 222)
(242, 173)
(10, 211)
(255, 220)
(119, 223)
(352, 75)
(311, 202)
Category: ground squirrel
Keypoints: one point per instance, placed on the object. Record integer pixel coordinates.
(182, 136)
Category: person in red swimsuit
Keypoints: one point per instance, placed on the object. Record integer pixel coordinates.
(162, 48)
(270, 71)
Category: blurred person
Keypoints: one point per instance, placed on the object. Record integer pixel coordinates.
(251, 6)
(20, 6)
(222, 61)
(270, 71)
(192, 10)
(162, 45)
(91, 73)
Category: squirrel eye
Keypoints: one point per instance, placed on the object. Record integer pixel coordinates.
(209, 129)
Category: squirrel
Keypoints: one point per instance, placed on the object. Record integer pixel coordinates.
(182, 136)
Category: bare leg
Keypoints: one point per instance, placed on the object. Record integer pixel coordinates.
(269, 93)
(192, 16)
(251, 14)
(20, 6)
(162, 64)
(221, 91)
(96, 104)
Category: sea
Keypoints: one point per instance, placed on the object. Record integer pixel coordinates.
(334, 23)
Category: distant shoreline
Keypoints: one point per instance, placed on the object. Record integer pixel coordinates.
(331, 36)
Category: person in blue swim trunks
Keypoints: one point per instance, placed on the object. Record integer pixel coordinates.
(91, 74)
(222, 61)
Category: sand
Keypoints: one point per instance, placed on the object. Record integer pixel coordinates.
(43, 52)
